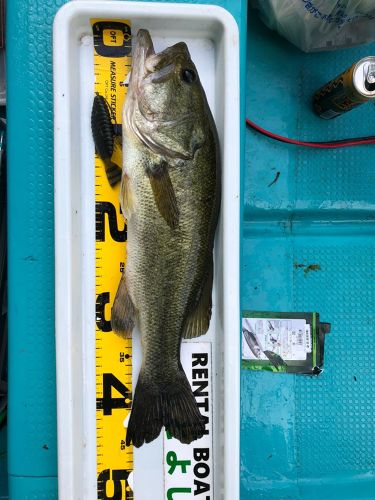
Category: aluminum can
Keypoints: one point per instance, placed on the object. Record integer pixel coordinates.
(351, 88)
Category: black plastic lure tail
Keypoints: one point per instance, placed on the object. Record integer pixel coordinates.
(104, 137)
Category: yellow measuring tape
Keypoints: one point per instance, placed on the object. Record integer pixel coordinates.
(112, 62)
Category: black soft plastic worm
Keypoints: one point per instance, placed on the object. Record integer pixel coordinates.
(104, 137)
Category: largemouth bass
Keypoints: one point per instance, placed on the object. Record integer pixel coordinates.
(170, 196)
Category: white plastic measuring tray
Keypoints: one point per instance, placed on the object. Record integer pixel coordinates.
(213, 40)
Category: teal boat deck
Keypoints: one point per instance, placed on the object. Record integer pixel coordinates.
(303, 437)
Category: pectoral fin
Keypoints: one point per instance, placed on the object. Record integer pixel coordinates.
(124, 313)
(126, 197)
(164, 194)
(199, 320)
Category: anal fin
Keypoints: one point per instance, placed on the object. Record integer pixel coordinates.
(123, 313)
(164, 194)
(199, 319)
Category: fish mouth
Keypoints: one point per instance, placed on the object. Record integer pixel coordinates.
(143, 49)
(160, 64)
(144, 46)
(149, 67)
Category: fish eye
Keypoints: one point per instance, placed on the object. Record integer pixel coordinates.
(188, 75)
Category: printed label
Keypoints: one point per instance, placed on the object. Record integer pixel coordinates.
(288, 338)
(188, 469)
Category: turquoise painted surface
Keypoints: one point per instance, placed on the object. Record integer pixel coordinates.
(32, 446)
(3, 464)
(305, 438)
(33, 488)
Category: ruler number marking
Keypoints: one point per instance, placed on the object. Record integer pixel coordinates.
(119, 479)
(103, 324)
(107, 403)
(104, 208)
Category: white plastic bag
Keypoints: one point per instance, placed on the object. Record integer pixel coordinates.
(314, 25)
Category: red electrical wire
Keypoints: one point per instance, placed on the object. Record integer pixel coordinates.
(357, 141)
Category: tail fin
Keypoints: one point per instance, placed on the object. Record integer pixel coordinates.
(146, 417)
(113, 172)
(173, 406)
(182, 417)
